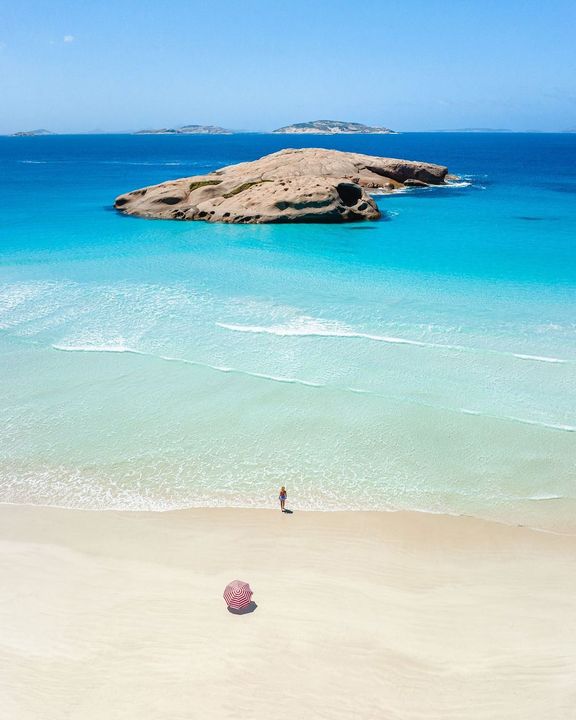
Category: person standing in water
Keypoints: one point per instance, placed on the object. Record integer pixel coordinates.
(282, 497)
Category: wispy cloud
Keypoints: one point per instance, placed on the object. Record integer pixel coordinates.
(66, 39)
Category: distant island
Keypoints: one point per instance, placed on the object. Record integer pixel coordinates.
(188, 130)
(32, 133)
(333, 127)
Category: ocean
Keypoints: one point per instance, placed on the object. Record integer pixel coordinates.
(423, 362)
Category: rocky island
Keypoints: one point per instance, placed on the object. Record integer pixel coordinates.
(306, 185)
(188, 130)
(32, 133)
(333, 127)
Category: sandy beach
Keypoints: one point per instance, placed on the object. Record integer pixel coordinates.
(359, 615)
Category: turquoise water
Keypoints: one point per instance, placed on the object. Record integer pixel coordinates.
(426, 361)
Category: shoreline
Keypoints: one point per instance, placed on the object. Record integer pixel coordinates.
(307, 511)
(362, 614)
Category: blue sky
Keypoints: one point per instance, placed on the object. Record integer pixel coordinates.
(78, 65)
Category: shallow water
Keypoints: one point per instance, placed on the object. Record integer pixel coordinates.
(426, 362)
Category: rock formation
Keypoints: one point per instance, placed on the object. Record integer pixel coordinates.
(307, 185)
(32, 133)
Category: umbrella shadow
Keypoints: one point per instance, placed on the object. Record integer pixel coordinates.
(245, 610)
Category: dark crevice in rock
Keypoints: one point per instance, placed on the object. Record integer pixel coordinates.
(349, 193)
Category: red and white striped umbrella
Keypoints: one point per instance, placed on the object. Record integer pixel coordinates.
(238, 594)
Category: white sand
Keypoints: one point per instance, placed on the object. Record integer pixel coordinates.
(360, 615)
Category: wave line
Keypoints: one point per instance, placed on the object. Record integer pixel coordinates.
(317, 330)
(184, 361)
(305, 383)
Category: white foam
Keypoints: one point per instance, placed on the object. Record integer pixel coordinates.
(524, 421)
(540, 423)
(402, 190)
(119, 348)
(456, 184)
(310, 327)
(184, 361)
(24, 302)
(375, 192)
(143, 162)
(539, 358)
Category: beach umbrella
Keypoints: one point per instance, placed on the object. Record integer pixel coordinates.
(238, 594)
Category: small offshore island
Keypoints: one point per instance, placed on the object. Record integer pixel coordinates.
(289, 186)
(187, 130)
(33, 133)
(333, 127)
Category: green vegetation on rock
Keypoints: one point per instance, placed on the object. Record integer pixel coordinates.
(203, 183)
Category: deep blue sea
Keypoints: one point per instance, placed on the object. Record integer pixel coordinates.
(426, 361)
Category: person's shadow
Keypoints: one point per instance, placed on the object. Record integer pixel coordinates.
(245, 610)
(288, 512)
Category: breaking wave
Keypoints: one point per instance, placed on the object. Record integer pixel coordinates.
(309, 327)
(184, 361)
